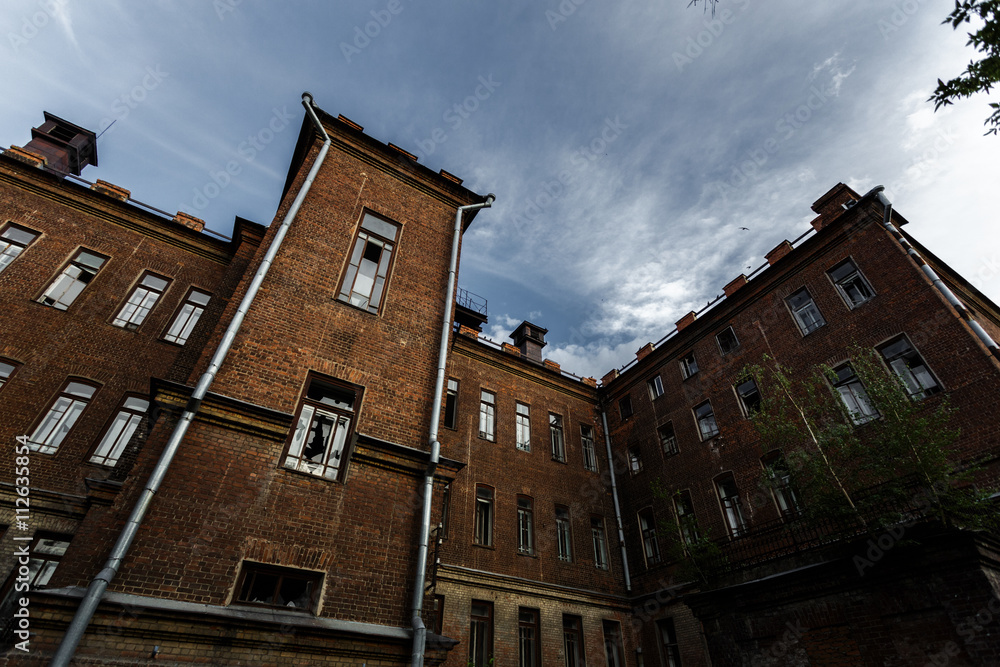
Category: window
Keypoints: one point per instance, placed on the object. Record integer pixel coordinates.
(600, 542)
(727, 340)
(187, 316)
(6, 372)
(484, 516)
(435, 615)
(283, 587)
(853, 394)
(805, 312)
(523, 420)
(732, 508)
(669, 649)
(587, 445)
(634, 459)
(852, 286)
(613, 644)
(749, 396)
(910, 367)
(780, 478)
(61, 417)
(650, 545)
(625, 407)
(70, 283)
(326, 421)
(556, 435)
(481, 634)
(451, 404)
(445, 510)
(706, 421)
(528, 638)
(368, 270)
(668, 440)
(573, 641)
(655, 387)
(44, 555)
(564, 534)
(686, 522)
(689, 365)
(525, 526)
(120, 431)
(487, 415)
(141, 301)
(13, 241)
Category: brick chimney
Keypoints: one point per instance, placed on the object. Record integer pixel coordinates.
(832, 204)
(65, 147)
(530, 339)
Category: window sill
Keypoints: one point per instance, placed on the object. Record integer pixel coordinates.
(527, 555)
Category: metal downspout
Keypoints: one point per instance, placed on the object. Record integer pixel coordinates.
(419, 630)
(932, 275)
(614, 496)
(95, 592)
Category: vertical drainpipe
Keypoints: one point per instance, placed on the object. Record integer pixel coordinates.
(95, 592)
(614, 496)
(933, 276)
(419, 630)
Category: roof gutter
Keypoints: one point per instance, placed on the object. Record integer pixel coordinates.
(419, 629)
(95, 592)
(932, 275)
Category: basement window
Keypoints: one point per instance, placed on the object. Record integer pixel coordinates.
(271, 586)
(370, 262)
(319, 444)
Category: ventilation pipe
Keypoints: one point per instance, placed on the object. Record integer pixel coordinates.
(932, 275)
(95, 592)
(419, 630)
(614, 496)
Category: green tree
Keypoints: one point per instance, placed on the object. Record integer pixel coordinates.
(980, 75)
(859, 446)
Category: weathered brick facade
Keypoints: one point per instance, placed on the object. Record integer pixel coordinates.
(526, 553)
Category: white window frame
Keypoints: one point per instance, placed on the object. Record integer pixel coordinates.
(689, 365)
(13, 242)
(487, 415)
(79, 272)
(667, 436)
(525, 525)
(708, 427)
(61, 416)
(850, 279)
(588, 447)
(731, 506)
(804, 311)
(557, 437)
(744, 392)
(655, 386)
(723, 348)
(187, 316)
(853, 395)
(485, 503)
(647, 531)
(600, 540)
(119, 432)
(326, 416)
(909, 366)
(522, 423)
(366, 276)
(140, 303)
(564, 534)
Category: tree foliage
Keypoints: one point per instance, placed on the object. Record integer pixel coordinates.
(885, 455)
(981, 75)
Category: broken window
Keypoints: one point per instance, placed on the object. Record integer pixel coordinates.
(852, 286)
(805, 312)
(727, 340)
(686, 522)
(650, 545)
(668, 440)
(72, 280)
(322, 434)
(749, 396)
(655, 386)
(556, 435)
(705, 416)
(910, 368)
(451, 404)
(283, 587)
(370, 261)
(689, 365)
(625, 407)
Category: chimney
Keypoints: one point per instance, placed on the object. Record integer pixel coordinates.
(530, 339)
(66, 148)
(832, 204)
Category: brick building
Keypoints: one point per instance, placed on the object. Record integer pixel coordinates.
(290, 525)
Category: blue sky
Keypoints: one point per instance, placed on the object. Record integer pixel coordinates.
(627, 142)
